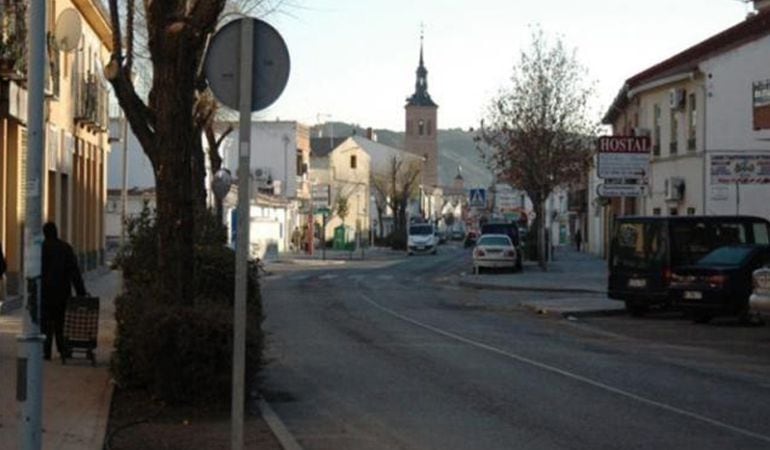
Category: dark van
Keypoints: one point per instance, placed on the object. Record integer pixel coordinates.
(645, 250)
(509, 229)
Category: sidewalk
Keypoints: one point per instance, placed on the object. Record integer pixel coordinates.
(76, 396)
(581, 278)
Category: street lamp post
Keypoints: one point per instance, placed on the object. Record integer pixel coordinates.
(29, 389)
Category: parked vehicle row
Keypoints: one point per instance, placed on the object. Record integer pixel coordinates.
(700, 264)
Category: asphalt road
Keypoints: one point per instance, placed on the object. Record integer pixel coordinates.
(391, 355)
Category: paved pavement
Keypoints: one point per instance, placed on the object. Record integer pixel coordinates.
(580, 276)
(76, 396)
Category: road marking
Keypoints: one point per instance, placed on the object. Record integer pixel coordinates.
(568, 374)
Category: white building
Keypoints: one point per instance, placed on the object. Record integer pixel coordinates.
(707, 113)
(279, 166)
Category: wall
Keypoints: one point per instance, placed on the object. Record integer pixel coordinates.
(730, 124)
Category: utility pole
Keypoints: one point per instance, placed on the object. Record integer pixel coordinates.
(29, 389)
(124, 188)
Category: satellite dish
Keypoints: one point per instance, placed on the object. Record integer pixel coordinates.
(68, 30)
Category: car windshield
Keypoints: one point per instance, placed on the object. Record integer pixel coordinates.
(421, 230)
(500, 241)
(726, 256)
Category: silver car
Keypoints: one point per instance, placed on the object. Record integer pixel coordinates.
(494, 251)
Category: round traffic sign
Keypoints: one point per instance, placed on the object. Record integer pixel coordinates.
(270, 64)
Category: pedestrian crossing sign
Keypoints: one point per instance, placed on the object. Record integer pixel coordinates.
(477, 198)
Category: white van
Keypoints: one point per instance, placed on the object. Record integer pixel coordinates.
(422, 238)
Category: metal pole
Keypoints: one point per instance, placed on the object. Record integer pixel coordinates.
(737, 198)
(124, 190)
(242, 244)
(30, 359)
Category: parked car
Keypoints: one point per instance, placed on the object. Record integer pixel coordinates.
(494, 251)
(422, 238)
(509, 229)
(470, 239)
(644, 251)
(457, 234)
(759, 301)
(718, 283)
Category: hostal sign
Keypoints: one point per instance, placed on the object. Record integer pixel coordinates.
(623, 157)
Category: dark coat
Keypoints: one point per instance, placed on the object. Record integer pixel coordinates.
(3, 266)
(60, 273)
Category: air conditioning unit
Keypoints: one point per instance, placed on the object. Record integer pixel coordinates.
(674, 187)
(676, 98)
(263, 178)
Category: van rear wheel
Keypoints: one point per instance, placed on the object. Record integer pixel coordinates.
(636, 309)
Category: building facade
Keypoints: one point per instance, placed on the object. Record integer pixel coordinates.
(76, 133)
(706, 111)
(280, 164)
(346, 171)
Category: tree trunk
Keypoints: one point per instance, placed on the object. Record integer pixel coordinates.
(172, 100)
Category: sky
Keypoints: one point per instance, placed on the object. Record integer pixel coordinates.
(354, 60)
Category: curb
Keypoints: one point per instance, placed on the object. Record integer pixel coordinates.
(494, 287)
(277, 426)
(311, 262)
(543, 310)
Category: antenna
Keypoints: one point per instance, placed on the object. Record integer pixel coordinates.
(68, 30)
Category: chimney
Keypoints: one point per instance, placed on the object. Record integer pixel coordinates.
(761, 5)
(371, 135)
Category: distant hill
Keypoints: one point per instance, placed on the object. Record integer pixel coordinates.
(455, 148)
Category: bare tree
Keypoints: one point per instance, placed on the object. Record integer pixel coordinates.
(394, 186)
(168, 121)
(537, 132)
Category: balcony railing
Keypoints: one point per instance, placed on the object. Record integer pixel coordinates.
(91, 102)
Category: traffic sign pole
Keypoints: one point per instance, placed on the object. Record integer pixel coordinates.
(242, 249)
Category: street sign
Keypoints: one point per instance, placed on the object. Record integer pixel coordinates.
(625, 157)
(620, 190)
(321, 195)
(270, 64)
(740, 168)
(477, 198)
(326, 212)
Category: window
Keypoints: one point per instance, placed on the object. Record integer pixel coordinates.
(656, 211)
(656, 131)
(299, 164)
(761, 235)
(430, 127)
(421, 127)
(690, 211)
(673, 145)
(353, 161)
(692, 122)
(408, 127)
(673, 212)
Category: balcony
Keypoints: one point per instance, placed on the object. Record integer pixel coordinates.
(91, 105)
(13, 35)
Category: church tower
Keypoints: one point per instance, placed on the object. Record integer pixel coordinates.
(421, 126)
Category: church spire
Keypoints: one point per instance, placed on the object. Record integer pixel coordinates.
(421, 96)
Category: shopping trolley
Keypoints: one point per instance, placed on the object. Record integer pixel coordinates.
(81, 327)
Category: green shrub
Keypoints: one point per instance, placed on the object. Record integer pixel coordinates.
(182, 352)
